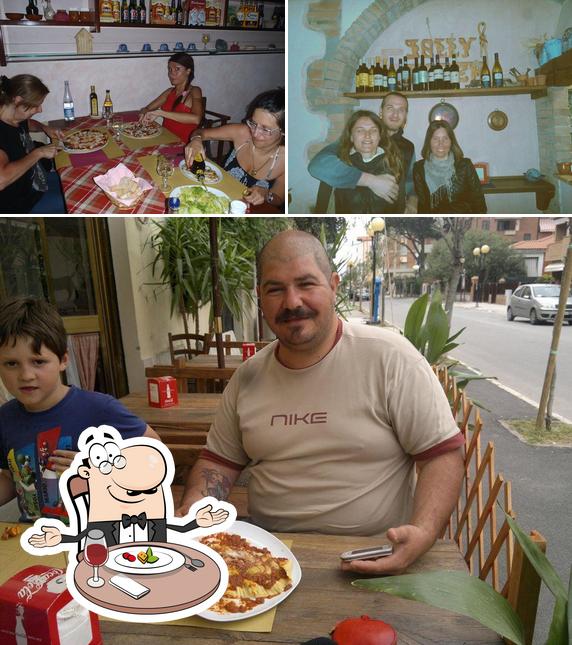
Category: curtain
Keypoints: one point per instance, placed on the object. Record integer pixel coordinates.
(86, 351)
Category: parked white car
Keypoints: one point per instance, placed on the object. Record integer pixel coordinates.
(537, 302)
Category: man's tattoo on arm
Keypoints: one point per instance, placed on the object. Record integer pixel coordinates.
(215, 484)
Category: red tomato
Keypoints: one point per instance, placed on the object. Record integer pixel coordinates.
(365, 631)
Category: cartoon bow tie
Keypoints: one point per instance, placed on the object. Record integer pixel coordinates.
(128, 520)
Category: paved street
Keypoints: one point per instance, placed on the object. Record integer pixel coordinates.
(515, 352)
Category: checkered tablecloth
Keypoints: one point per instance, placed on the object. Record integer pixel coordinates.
(84, 197)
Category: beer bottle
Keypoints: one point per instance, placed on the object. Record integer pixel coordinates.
(198, 166)
(107, 106)
(391, 76)
(431, 74)
(423, 76)
(415, 80)
(485, 74)
(179, 14)
(498, 80)
(124, 11)
(370, 76)
(142, 12)
(93, 104)
(455, 77)
(133, 11)
(378, 75)
(406, 76)
(438, 74)
(399, 75)
(447, 75)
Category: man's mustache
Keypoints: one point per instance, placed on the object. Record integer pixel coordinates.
(292, 314)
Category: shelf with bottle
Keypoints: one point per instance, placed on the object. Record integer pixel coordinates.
(434, 79)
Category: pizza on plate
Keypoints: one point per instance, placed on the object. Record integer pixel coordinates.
(138, 130)
(254, 574)
(82, 140)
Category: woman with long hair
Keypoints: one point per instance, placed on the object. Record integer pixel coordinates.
(28, 183)
(257, 158)
(445, 181)
(366, 144)
(181, 106)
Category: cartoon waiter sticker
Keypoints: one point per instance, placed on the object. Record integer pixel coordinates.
(135, 559)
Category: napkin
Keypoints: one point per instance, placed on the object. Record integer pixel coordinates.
(114, 176)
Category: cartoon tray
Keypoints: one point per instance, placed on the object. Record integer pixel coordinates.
(165, 593)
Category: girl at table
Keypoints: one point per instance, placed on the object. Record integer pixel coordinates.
(26, 184)
(257, 158)
(182, 105)
(445, 181)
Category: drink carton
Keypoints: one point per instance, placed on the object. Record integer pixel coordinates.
(162, 392)
(36, 607)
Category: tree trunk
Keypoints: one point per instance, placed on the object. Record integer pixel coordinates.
(452, 291)
(551, 365)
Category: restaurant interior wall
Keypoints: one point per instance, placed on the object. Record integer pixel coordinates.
(321, 110)
(144, 311)
(229, 81)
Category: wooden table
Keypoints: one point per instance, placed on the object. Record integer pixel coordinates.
(519, 184)
(202, 374)
(323, 598)
(231, 361)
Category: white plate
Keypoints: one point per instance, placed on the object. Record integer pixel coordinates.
(209, 165)
(169, 560)
(176, 192)
(261, 538)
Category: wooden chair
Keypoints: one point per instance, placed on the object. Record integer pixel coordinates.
(323, 198)
(188, 351)
(489, 551)
(214, 120)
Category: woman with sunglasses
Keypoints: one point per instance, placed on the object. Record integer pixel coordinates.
(257, 157)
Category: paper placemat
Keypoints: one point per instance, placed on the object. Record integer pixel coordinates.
(110, 151)
(165, 136)
(229, 185)
(14, 559)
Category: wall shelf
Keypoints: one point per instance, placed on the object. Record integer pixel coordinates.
(535, 92)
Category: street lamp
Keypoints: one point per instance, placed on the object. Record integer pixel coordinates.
(376, 225)
(350, 267)
(481, 253)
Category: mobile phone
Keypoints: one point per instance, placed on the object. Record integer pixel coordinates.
(129, 586)
(371, 553)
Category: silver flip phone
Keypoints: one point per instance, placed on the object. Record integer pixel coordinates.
(371, 553)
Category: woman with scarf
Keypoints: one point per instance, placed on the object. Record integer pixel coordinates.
(445, 181)
(26, 183)
(182, 105)
(365, 143)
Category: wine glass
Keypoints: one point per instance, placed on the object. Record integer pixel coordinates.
(117, 125)
(165, 170)
(95, 554)
(205, 40)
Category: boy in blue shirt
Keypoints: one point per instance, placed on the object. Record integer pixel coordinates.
(39, 429)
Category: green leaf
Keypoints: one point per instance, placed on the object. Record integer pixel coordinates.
(539, 561)
(455, 591)
(437, 329)
(414, 319)
(150, 557)
(558, 633)
(452, 338)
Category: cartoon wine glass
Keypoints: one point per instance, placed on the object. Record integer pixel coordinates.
(95, 555)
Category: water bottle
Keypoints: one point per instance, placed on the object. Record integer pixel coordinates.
(69, 114)
(174, 205)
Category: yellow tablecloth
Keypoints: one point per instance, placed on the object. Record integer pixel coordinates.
(13, 559)
(229, 185)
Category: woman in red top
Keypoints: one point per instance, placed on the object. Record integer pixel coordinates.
(182, 106)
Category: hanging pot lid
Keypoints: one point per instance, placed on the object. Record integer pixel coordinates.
(444, 111)
(497, 120)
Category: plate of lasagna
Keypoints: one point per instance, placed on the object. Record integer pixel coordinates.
(88, 140)
(137, 130)
(262, 572)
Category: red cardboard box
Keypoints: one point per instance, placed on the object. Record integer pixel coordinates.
(36, 608)
(162, 392)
